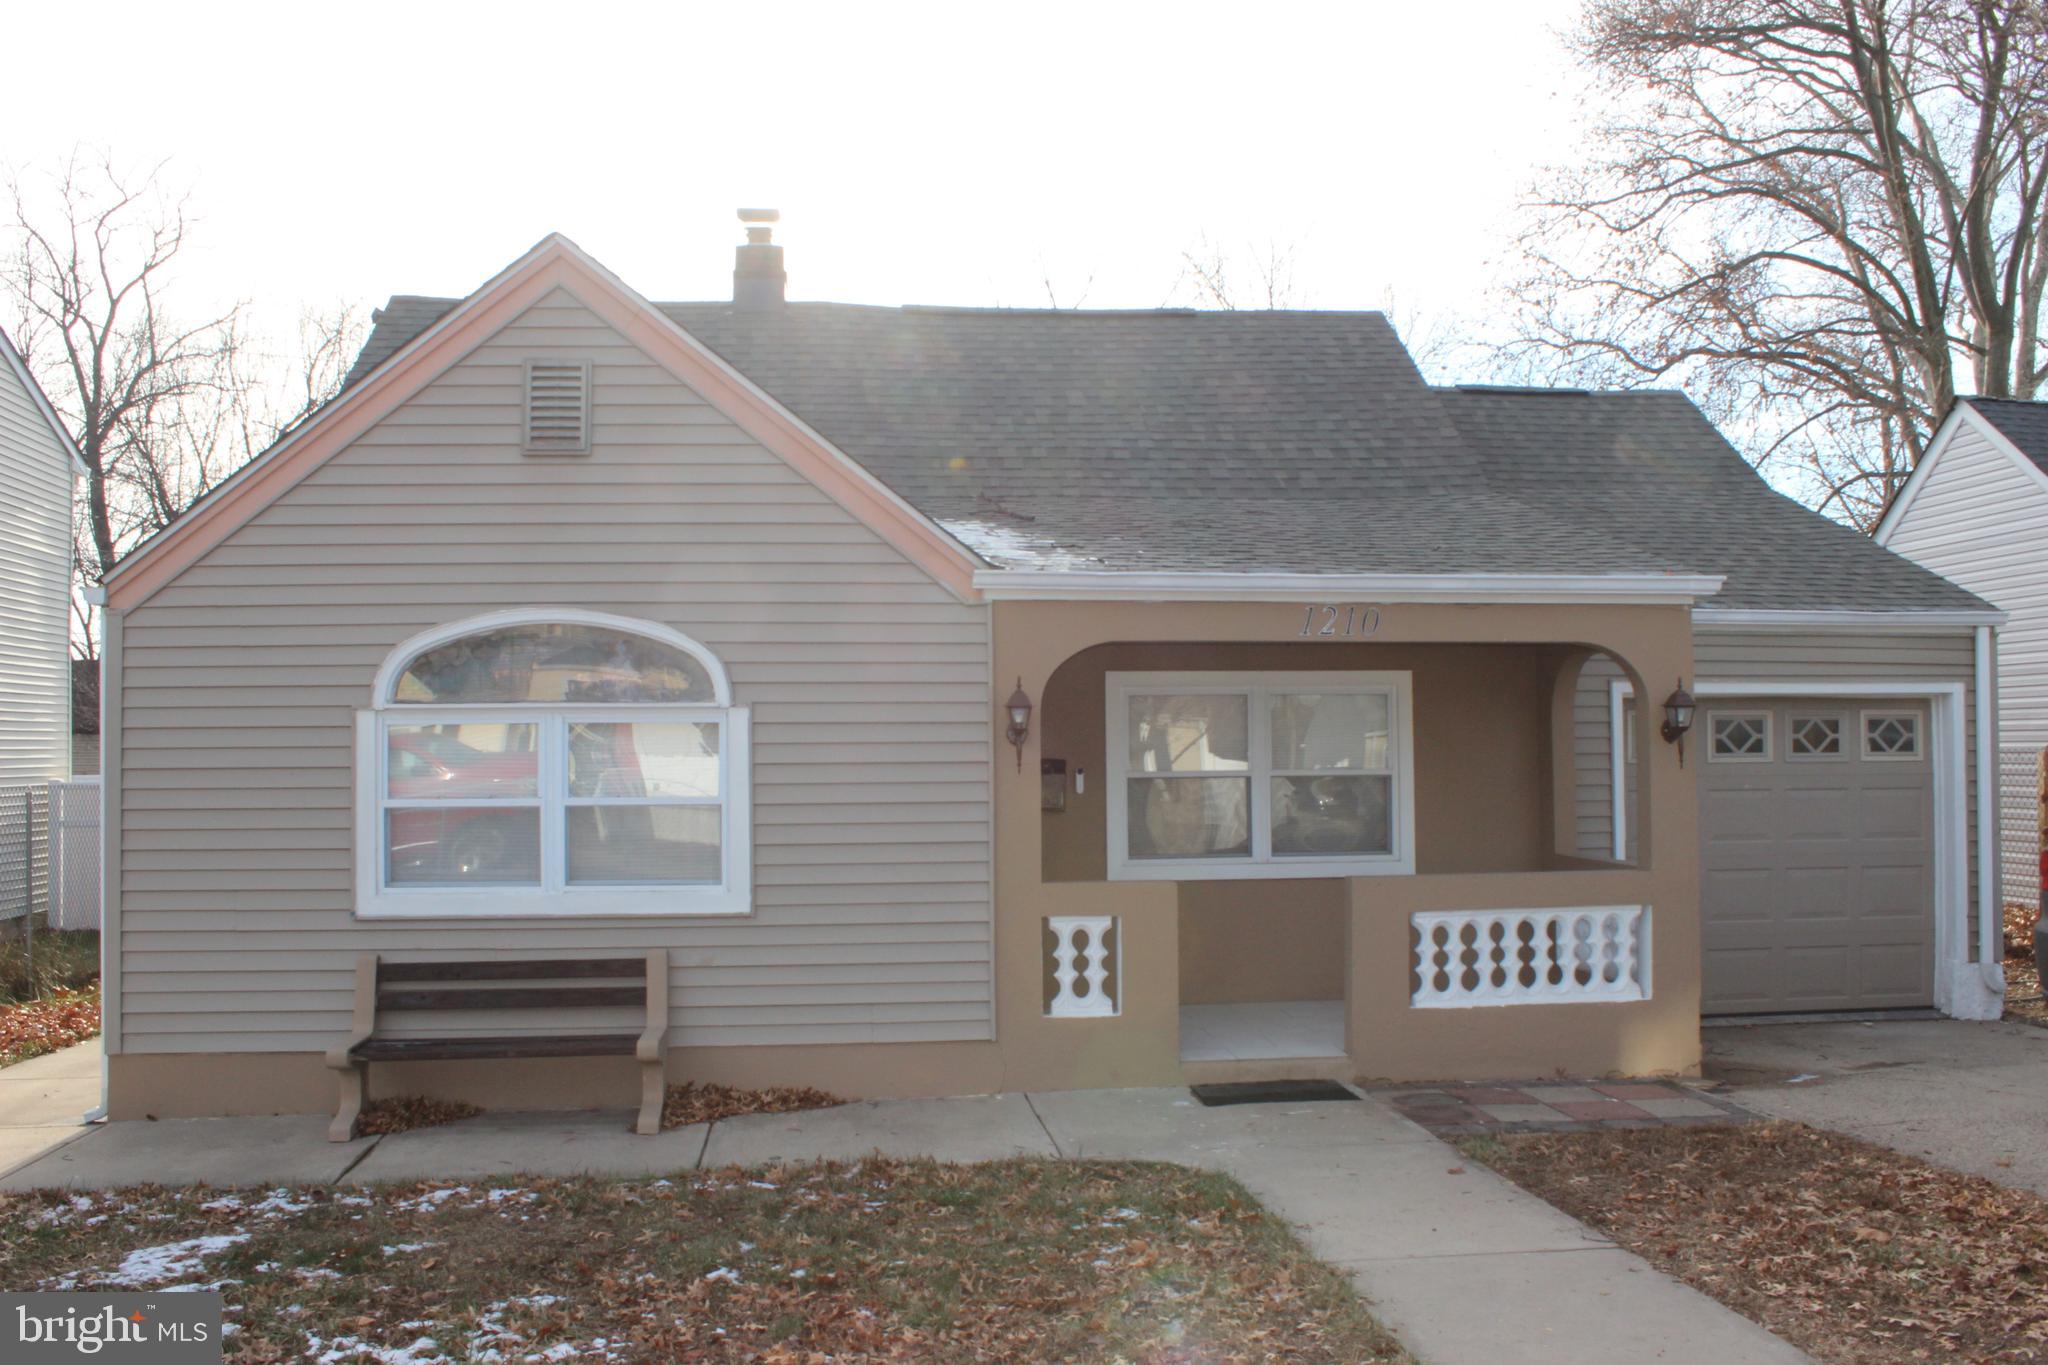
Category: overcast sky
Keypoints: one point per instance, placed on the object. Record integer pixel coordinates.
(957, 153)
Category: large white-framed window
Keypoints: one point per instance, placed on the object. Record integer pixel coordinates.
(1239, 775)
(552, 762)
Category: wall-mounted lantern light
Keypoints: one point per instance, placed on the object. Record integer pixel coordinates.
(1019, 707)
(1678, 709)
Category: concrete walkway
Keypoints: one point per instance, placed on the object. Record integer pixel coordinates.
(1973, 1097)
(1461, 1265)
(43, 1102)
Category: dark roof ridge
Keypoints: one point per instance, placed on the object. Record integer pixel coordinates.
(1549, 390)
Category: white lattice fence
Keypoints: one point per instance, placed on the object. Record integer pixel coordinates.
(24, 851)
(1467, 958)
(75, 854)
(2020, 820)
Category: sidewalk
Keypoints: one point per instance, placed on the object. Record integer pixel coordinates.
(43, 1102)
(1458, 1263)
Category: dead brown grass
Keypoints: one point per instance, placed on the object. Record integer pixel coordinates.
(875, 1260)
(697, 1102)
(1853, 1252)
(403, 1113)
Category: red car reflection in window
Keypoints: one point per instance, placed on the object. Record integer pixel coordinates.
(460, 843)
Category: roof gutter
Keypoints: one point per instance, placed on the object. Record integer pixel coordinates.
(1653, 589)
(1903, 622)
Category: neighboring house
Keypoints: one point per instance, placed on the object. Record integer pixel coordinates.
(1976, 511)
(39, 471)
(584, 625)
(85, 717)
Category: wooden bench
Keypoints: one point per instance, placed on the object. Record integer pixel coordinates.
(573, 983)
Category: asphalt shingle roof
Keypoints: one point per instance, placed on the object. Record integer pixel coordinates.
(2023, 423)
(1245, 442)
(1649, 465)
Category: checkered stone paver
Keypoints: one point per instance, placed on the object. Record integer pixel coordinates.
(1559, 1107)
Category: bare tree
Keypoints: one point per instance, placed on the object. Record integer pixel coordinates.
(161, 408)
(1824, 217)
(1255, 277)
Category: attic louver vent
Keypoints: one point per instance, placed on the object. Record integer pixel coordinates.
(558, 407)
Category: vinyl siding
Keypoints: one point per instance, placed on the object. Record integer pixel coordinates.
(1775, 657)
(1593, 761)
(1982, 521)
(35, 591)
(869, 686)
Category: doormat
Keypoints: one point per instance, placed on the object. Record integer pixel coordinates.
(1269, 1092)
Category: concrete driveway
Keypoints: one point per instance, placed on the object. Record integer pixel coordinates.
(1973, 1097)
(43, 1102)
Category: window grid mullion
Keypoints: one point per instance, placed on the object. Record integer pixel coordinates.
(572, 801)
(554, 785)
(1259, 722)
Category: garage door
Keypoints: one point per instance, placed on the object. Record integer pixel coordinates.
(1817, 831)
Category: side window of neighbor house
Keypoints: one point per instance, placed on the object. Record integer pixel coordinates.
(554, 766)
(1265, 777)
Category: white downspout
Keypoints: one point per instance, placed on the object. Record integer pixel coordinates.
(1989, 930)
(96, 596)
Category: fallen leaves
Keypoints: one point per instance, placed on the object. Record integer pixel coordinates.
(403, 1113)
(1853, 1252)
(2023, 995)
(37, 1026)
(703, 1102)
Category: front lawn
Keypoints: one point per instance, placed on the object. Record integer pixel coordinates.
(1852, 1252)
(1015, 1260)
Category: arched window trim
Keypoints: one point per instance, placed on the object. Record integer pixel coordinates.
(401, 658)
(554, 897)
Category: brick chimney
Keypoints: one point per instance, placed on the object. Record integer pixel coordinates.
(757, 274)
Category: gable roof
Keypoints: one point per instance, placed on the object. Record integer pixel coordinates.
(1176, 441)
(2015, 428)
(416, 360)
(12, 360)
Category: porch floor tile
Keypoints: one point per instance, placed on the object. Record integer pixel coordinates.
(1262, 1030)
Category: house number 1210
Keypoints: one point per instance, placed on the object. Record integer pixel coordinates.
(1340, 622)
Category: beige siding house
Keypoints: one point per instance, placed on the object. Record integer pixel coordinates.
(962, 700)
(1976, 511)
(39, 469)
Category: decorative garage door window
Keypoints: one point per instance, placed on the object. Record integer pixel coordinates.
(565, 763)
(1891, 734)
(1217, 775)
(1814, 736)
(1739, 737)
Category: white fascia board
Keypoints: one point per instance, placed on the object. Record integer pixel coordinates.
(1907, 622)
(1032, 585)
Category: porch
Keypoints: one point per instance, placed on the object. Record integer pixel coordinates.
(1308, 858)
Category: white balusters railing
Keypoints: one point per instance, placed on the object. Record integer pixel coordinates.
(1082, 991)
(1465, 958)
